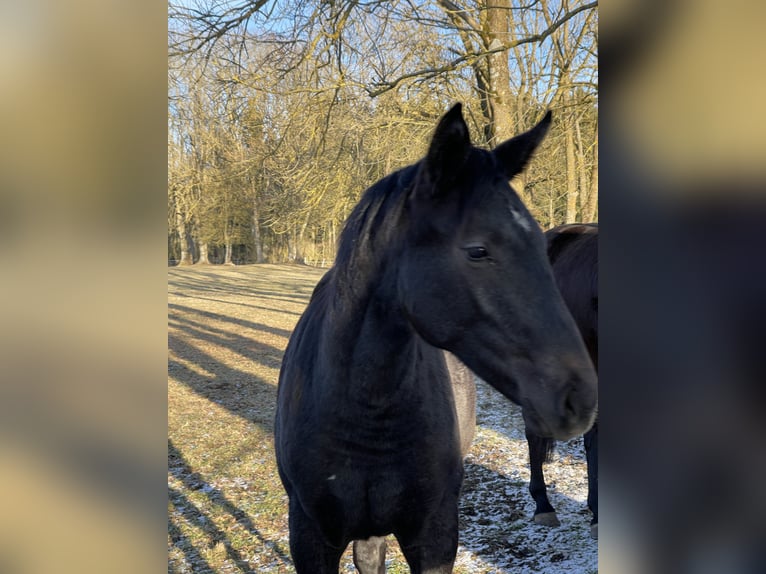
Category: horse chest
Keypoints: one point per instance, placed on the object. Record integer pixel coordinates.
(377, 452)
(365, 497)
(364, 479)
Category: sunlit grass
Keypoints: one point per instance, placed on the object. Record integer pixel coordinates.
(227, 510)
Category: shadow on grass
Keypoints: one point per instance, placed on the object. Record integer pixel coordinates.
(182, 542)
(216, 354)
(207, 349)
(202, 371)
(227, 341)
(176, 310)
(276, 283)
(180, 469)
(239, 303)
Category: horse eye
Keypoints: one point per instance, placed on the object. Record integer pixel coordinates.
(476, 252)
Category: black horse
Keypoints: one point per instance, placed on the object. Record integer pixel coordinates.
(573, 253)
(441, 255)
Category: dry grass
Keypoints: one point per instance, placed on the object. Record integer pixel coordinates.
(227, 511)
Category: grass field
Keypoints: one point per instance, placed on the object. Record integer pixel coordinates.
(227, 512)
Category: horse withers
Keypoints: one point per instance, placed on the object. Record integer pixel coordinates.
(573, 253)
(439, 256)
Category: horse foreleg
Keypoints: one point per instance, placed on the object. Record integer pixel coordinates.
(310, 552)
(544, 512)
(370, 555)
(434, 548)
(591, 456)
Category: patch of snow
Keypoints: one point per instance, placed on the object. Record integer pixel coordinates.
(496, 531)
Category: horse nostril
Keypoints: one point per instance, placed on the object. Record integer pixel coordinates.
(569, 407)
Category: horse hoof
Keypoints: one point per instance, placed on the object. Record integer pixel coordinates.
(594, 531)
(547, 519)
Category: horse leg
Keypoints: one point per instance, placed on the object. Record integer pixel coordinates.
(310, 552)
(591, 455)
(434, 548)
(370, 555)
(538, 450)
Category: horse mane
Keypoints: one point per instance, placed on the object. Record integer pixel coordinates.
(370, 226)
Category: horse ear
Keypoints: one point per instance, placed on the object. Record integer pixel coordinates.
(449, 146)
(514, 154)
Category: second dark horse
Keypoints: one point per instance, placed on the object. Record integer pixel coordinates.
(573, 252)
(441, 255)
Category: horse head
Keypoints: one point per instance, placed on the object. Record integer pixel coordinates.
(474, 279)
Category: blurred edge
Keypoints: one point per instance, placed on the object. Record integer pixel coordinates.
(683, 278)
(82, 300)
(83, 297)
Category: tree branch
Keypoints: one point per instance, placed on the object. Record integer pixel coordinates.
(214, 27)
(427, 73)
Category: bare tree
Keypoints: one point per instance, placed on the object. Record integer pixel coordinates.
(476, 35)
(285, 116)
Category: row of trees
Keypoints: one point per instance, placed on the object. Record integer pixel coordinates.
(281, 113)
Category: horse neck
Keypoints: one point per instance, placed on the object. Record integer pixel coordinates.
(368, 340)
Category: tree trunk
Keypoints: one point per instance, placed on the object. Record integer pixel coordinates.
(295, 242)
(581, 170)
(227, 243)
(590, 212)
(500, 98)
(257, 239)
(184, 240)
(551, 212)
(492, 72)
(292, 249)
(297, 255)
(332, 242)
(571, 214)
(203, 254)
